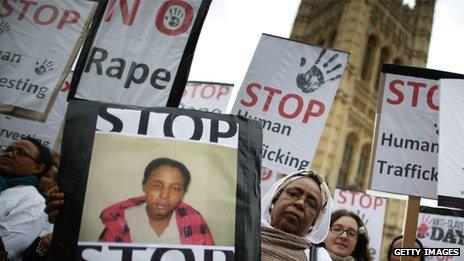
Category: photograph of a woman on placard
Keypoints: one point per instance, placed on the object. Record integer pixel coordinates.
(159, 191)
(170, 220)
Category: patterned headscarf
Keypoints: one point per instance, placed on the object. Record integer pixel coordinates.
(321, 225)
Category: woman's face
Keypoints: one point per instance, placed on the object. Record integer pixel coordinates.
(343, 236)
(297, 207)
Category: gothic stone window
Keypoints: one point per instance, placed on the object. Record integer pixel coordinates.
(351, 141)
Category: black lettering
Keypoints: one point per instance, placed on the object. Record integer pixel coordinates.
(437, 233)
(131, 76)
(119, 69)
(449, 237)
(161, 75)
(97, 61)
(143, 123)
(115, 121)
(197, 131)
(215, 134)
(159, 252)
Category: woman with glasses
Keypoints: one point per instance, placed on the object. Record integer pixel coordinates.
(295, 216)
(347, 238)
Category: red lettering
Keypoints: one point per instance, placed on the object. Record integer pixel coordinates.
(249, 91)
(26, 6)
(127, 19)
(195, 87)
(341, 195)
(69, 17)
(298, 108)
(39, 11)
(223, 90)
(378, 202)
(394, 90)
(66, 85)
(320, 108)
(430, 94)
(8, 9)
(271, 91)
(353, 196)
(363, 196)
(415, 93)
(211, 93)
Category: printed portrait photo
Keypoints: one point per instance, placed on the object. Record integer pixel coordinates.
(145, 190)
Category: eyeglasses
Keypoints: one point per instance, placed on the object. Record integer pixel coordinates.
(350, 233)
(310, 204)
(19, 152)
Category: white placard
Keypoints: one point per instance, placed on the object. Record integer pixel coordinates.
(406, 155)
(441, 228)
(370, 209)
(204, 96)
(451, 158)
(14, 128)
(290, 87)
(36, 40)
(137, 51)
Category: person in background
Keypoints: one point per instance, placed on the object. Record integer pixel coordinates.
(397, 242)
(21, 206)
(295, 216)
(38, 250)
(347, 239)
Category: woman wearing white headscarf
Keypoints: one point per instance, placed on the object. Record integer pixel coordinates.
(295, 216)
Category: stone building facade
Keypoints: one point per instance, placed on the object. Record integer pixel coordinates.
(374, 32)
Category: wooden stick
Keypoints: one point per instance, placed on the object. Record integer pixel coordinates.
(410, 226)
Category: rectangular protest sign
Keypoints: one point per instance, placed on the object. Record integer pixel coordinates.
(370, 209)
(441, 228)
(140, 53)
(406, 139)
(289, 87)
(14, 128)
(151, 183)
(206, 96)
(36, 41)
(451, 158)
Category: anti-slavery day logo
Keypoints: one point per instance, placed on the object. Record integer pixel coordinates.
(318, 74)
(423, 228)
(174, 17)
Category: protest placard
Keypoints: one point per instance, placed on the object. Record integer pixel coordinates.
(125, 169)
(140, 53)
(406, 138)
(289, 87)
(441, 228)
(206, 96)
(13, 128)
(451, 158)
(36, 41)
(370, 209)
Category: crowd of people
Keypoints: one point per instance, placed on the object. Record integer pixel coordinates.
(296, 218)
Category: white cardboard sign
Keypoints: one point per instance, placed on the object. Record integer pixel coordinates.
(370, 209)
(290, 87)
(137, 51)
(36, 40)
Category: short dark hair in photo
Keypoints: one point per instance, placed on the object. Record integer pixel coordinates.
(160, 162)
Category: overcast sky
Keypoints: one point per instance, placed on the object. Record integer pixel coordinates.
(233, 27)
